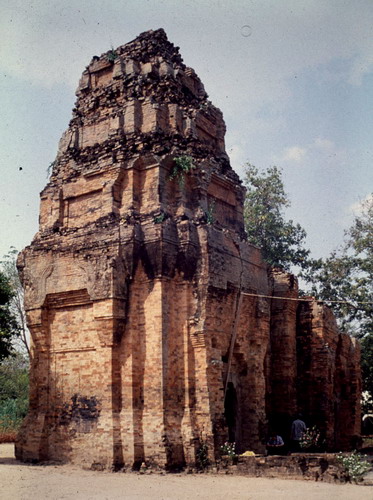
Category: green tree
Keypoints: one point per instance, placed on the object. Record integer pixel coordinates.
(347, 276)
(14, 383)
(8, 323)
(16, 307)
(281, 241)
(14, 378)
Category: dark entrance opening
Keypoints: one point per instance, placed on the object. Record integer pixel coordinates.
(230, 411)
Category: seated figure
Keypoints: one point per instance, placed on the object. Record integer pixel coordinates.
(275, 445)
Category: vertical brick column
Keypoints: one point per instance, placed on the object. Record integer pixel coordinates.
(282, 397)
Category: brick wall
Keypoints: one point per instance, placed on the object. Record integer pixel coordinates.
(148, 337)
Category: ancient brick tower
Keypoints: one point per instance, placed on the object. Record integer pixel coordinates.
(141, 291)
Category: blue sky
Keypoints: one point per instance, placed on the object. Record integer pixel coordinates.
(294, 80)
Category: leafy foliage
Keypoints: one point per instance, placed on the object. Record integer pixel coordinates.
(14, 378)
(8, 323)
(311, 438)
(111, 55)
(281, 241)
(15, 305)
(228, 449)
(347, 276)
(354, 464)
(182, 165)
(12, 412)
(14, 383)
(210, 213)
(202, 455)
(367, 371)
(158, 219)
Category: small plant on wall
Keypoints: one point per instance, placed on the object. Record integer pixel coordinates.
(228, 449)
(182, 165)
(202, 454)
(210, 213)
(158, 219)
(111, 55)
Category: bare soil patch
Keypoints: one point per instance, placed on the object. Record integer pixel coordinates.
(20, 481)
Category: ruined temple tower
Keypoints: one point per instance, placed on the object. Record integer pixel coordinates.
(141, 292)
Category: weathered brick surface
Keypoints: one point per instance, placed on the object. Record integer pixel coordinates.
(137, 288)
(329, 383)
(282, 354)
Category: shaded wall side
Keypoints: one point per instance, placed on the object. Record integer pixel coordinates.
(281, 390)
(329, 378)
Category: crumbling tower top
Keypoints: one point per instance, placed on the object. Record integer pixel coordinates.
(138, 108)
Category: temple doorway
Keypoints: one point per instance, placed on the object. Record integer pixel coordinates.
(230, 412)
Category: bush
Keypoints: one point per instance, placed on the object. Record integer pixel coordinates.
(311, 439)
(228, 449)
(202, 455)
(14, 378)
(12, 412)
(13, 396)
(354, 466)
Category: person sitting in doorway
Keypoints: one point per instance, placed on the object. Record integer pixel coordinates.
(275, 445)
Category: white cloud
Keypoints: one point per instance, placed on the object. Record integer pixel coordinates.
(358, 207)
(294, 154)
(321, 151)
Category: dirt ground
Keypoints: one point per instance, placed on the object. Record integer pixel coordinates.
(35, 482)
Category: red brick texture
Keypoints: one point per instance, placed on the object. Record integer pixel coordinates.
(144, 340)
